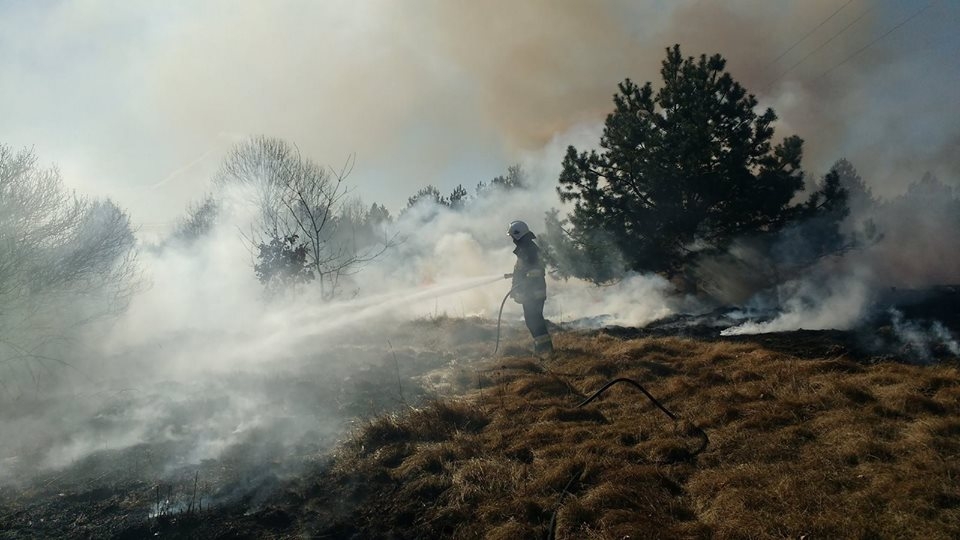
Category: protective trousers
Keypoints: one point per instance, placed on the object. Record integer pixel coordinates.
(533, 316)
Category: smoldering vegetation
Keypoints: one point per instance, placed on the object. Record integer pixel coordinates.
(216, 401)
(209, 368)
(896, 260)
(768, 442)
(167, 446)
(227, 355)
(291, 358)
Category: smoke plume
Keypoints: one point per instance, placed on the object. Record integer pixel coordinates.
(141, 104)
(448, 93)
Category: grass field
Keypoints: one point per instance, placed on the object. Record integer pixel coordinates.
(789, 436)
(798, 448)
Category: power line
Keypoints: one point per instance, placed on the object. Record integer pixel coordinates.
(805, 36)
(885, 34)
(822, 45)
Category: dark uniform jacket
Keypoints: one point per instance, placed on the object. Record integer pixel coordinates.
(529, 281)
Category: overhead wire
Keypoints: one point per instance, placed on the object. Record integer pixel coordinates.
(885, 34)
(822, 45)
(808, 34)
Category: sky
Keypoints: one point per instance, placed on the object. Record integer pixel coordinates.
(140, 100)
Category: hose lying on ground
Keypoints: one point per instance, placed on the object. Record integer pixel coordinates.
(552, 531)
(704, 440)
(552, 528)
(604, 388)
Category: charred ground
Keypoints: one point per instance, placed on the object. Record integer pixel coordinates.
(819, 433)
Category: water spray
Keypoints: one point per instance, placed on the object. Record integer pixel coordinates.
(285, 327)
(325, 318)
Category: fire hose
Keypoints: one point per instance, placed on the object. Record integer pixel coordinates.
(705, 441)
(636, 385)
(500, 315)
(578, 472)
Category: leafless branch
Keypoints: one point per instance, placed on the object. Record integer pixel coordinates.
(296, 196)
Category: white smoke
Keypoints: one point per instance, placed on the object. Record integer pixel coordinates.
(809, 304)
(945, 336)
(204, 326)
(921, 340)
(633, 301)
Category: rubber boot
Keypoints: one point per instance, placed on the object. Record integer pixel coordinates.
(542, 344)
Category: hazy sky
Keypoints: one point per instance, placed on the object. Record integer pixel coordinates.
(140, 100)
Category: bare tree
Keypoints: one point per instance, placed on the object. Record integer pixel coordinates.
(298, 197)
(64, 261)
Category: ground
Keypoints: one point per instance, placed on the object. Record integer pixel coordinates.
(801, 434)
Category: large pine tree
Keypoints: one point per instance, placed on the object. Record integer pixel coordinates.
(680, 172)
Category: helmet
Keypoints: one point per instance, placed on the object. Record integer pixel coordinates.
(518, 230)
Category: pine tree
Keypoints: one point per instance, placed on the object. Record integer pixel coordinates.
(681, 172)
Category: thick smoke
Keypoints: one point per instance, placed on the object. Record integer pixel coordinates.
(440, 244)
(433, 92)
(832, 303)
(899, 244)
(202, 325)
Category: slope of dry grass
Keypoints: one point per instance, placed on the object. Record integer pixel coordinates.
(821, 448)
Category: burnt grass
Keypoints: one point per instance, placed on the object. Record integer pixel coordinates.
(814, 434)
(160, 484)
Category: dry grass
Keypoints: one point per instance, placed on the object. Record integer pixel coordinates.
(822, 448)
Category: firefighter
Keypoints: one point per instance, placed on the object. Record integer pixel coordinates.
(530, 285)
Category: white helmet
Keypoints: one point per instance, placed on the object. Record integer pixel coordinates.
(518, 230)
